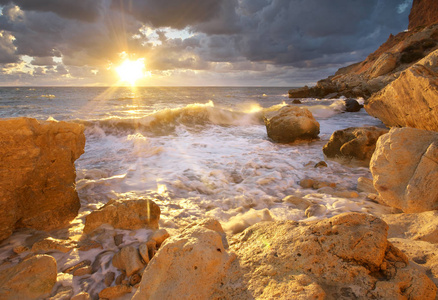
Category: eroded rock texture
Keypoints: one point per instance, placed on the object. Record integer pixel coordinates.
(37, 173)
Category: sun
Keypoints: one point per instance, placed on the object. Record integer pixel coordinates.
(131, 70)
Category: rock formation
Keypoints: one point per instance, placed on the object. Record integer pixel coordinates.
(344, 257)
(125, 214)
(423, 13)
(410, 100)
(37, 173)
(405, 169)
(353, 143)
(191, 265)
(379, 69)
(291, 123)
(33, 278)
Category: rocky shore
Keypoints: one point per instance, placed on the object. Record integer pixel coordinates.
(119, 251)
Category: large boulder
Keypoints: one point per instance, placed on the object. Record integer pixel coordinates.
(345, 257)
(291, 123)
(37, 173)
(353, 143)
(423, 13)
(125, 214)
(412, 99)
(405, 169)
(191, 265)
(33, 278)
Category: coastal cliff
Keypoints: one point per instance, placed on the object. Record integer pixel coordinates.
(37, 173)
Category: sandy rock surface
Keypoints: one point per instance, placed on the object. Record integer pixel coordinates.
(405, 169)
(37, 173)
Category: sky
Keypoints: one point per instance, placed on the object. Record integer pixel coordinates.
(190, 42)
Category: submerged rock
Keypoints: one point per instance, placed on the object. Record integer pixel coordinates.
(33, 278)
(125, 214)
(345, 257)
(412, 99)
(351, 105)
(353, 143)
(290, 124)
(37, 173)
(405, 169)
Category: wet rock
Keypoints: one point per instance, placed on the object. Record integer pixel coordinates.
(321, 164)
(298, 202)
(62, 293)
(72, 269)
(320, 184)
(82, 271)
(351, 105)
(114, 291)
(120, 278)
(81, 296)
(109, 278)
(405, 169)
(33, 278)
(134, 279)
(296, 101)
(86, 245)
(125, 214)
(20, 249)
(118, 239)
(365, 185)
(128, 259)
(307, 183)
(50, 244)
(37, 177)
(345, 257)
(353, 143)
(315, 210)
(189, 266)
(416, 106)
(290, 124)
(159, 236)
(144, 252)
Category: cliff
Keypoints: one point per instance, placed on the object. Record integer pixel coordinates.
(423, 13)
(37, 173)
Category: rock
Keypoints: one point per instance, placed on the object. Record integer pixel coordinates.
(321, 164)
(307, 183)
(128, 260)
(384, 64)
(191, 265)
(87, 244)
(144, 252)
(118, 239)
(291, 123)
(405, 169)
(20, 249)
(296, 101)
(351, 105)
(345, 257)
(83, 271)
(50, 244)
(300, 92)
(82, 264)
(114, 291)
(33, 278)
(134, 279)
(423, 13)
(120, 278)
(109, 278)
(410, 100)
(298, 202)
(125, 214)
(356, 143)
(315, 210)
(365, 185)
(37, 174)
(62, 293)
(81, 296)
(159, 236)
(416, 226)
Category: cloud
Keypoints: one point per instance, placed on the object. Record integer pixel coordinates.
(219, 36)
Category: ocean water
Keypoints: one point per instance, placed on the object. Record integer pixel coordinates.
(199, 151)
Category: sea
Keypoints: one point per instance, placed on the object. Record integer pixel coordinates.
(197, 151)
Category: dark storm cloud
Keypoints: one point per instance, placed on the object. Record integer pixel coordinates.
(252, 35)
(85, 10)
